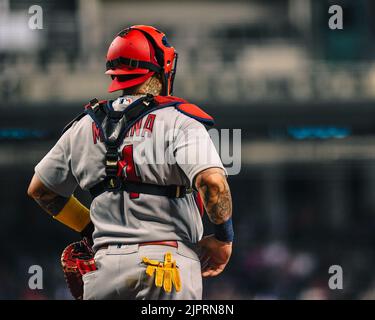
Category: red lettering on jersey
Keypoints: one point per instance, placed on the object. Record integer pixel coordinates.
(96, 133)
(138, 126)
(127, 169)
(131, 131)
(135, 128)
(149, 124)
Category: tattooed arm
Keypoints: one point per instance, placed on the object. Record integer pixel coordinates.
(48, 200)
(68, 211)
(214, 190)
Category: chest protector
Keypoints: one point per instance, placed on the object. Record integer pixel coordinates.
(113, 126)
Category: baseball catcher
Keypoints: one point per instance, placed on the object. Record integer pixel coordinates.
(151, 168)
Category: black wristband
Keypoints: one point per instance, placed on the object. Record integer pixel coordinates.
(224, 231)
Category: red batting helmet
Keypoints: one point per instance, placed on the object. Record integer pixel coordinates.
(136, 54)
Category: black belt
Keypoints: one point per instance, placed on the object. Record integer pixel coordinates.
(171, 191)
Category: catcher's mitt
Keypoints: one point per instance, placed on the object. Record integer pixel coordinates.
(76, 260)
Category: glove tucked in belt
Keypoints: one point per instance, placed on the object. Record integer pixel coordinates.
(76, 260)
(167, 273)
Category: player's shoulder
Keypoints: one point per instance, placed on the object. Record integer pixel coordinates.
(185, 109)
(83, 116)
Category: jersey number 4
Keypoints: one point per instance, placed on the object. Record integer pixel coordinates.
(127, 169)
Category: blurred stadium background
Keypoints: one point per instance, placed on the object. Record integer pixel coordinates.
(302, 94)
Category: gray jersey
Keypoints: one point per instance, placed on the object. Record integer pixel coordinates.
(165, 147)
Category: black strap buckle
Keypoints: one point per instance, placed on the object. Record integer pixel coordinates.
(94, 103)
(111, 156)
(148, 99)
(179, 191)
(133, 63)
(111, 162)
(114, 184)
(113, 181)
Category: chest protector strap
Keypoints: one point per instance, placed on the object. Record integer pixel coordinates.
(113, 126)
